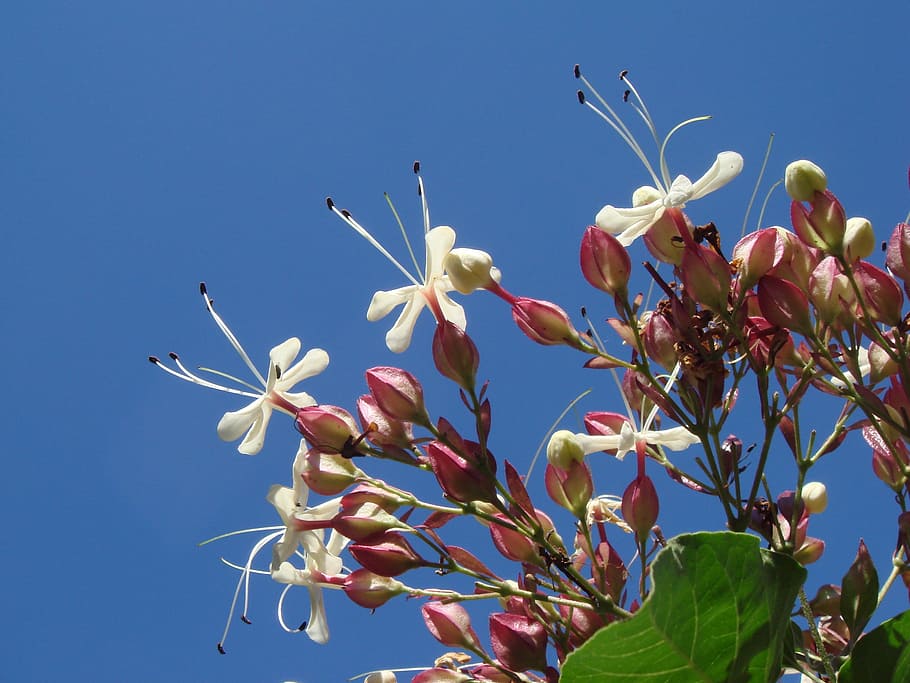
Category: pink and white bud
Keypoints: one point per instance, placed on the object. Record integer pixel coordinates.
(329, 473)
(391, 556)
(823, 225)
(831, 292)
(470, 270)
(815, 497)
(660, 338)
(897, 254)
(880, 292)
(810, 551)
(601, 423)
(455, 355)
(519, 643)
(563, 449)
(329, 429)
(371, 590)
(859, 239)
(463, 479)
(381, 429)
(398, 394)
(440, 675)
(512, 544)
(450, 624)
(366, 522)
(605, 262)
(755, 254)
(664, 241)
(803, 179)
(381, 677)
(640, 506)
(545, 323)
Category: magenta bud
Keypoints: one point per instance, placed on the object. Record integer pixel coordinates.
(897, 254)
(398, 394)
(660, 338)
(381, 429)
(512, 544)
(605, 262)
(570, 487)
(519, 643)
(392, 555)
(731, 451)
(886, 468)
(440, 675)
(546, 323)
(822, 225)
(365, 522)
(880, 293)
(450, 624)
(464, 479)
(371, 590)
(784, 304)
(585, 623)
(455, 355)
(706, 276)
(640, 506)
(329, 429)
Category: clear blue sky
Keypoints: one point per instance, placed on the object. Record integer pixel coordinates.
(148, 146)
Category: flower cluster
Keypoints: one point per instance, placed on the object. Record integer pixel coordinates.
(789, 312)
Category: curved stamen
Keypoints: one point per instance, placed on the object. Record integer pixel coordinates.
(639, 105)
(404, 233)
(187, 376)
(281, 612)
(663, 147)
(761, 174)
(360, 230)
(239, 381)
(230, 335)
(241, 531)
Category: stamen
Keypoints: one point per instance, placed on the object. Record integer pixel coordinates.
(546, 437)
(346, 216)
(761, 214)
(212, 371)
(230, 335)
(404, 233)
(187, 376)
(281, 612)
(761, 174)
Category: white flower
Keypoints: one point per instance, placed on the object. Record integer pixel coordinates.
(431, 288)
(676, 439)
(275, 392)
(649, 202)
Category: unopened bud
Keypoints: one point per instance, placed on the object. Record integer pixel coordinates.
(897, 254)
(455, 355)
(563, 449)
(859, 239)
(391, 556)
(570, 487)
(398, 394)
(859, 592)
(706, 276)
(640, 506)
(470, 269)
(329, 429)
(546, 323)
(880, 292)
(329, 473)
(784, 304)
(519, 642)
(450, 624)
(755, 255)
(605, 262)
(803, 179)
(823, 225)
(463, 478)
(815, 497)
(371, 590)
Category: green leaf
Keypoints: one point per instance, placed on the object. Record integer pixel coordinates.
(719, 611)
(882, 655)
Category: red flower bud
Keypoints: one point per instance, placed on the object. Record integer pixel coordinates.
(831, 292)
(897, 255)
(546, 323)
(365, 522)
(398, 394)
(455, 355)
(880, 292)
(519, 643)
(392, 556)
(464, 479)
(381, 429)
(450, 624)
(570, 487)
(640, 506)
(660, 339)
(755, 255)
(513, 545)
(329, 429)
(706, 276)
(605, 262)
(822, 225)
(371, 590)
(784, 304)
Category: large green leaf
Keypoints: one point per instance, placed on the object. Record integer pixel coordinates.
(882, 655)
(719, 611)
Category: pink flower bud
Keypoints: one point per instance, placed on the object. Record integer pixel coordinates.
(660, 338)
(391, 556)
(822, 225)
(371, 590)
(450, 624)
(859, 239)
(826, 601)
(546, 323)
(640, 506)
(886, 467)
(571, 487)
(706, 276)
(439, 675)
(803, 179)
(463, 478)
(455, 355)
(329, 473)
(831, 293)
(585, 623)
(755, 255)
(519, 643)
(382, 430)
(512, 544)
(329, 429)
(897, 255)
(663, 239)
(810, 551)
(601, 423)
(365, 522)
(784, 304)
(880, 293)
(605, 262)
(398, 394)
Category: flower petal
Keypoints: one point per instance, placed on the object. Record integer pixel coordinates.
(440, 241)
(232, 425)
(255, 438)
(676, 438)
(317, 627)
(628, 224)
(384, 301)
(313, 363)
(399, 337)
(725, 168)
(285, 353)
(452, 311)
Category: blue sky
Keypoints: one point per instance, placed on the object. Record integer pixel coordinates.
(148, 146)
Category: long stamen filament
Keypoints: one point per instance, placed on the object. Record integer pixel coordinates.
(663, 147)
(546, 437)
(240, 531)
(360, 230)
(230, 335)
(187, 376)
(281, 612)
(670, 382)
(404, 233)
(645, 114)
(761, 174)
(764, 205)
